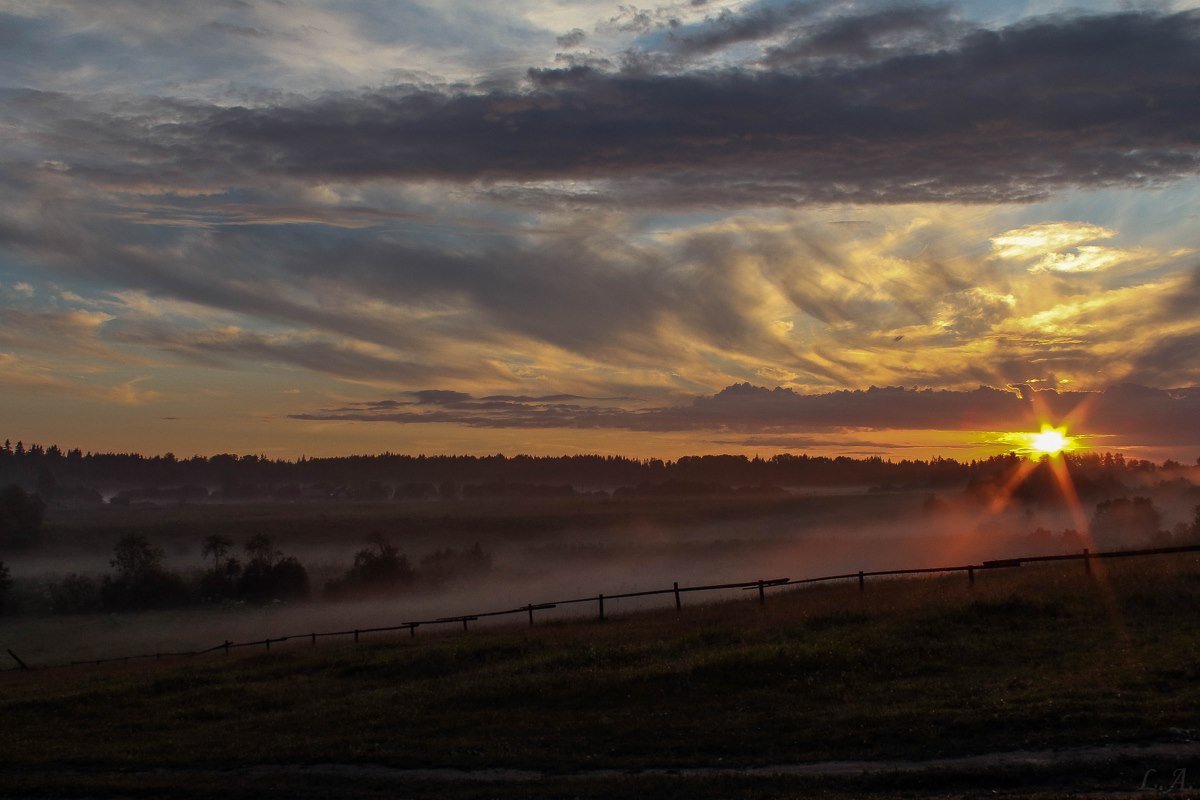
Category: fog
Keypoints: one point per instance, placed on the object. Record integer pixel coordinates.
(574, 555)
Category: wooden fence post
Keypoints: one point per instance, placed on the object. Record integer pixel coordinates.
(529, 608)
(971, 576)
(601, 598)
(678, 604)
(762, 596)
(862, 583)
(268, 642)
(314, 639)
(464, 624)
(227, 643)
(412, 631)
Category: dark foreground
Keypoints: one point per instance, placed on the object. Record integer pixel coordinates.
(1057, 682)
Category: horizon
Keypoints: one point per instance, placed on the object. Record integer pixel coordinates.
(1149, 424)
(1077, 453)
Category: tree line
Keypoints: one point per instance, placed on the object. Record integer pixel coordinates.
(57, 474)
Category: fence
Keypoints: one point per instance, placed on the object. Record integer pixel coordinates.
(676, 591)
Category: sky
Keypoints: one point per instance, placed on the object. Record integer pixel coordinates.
(561, 226)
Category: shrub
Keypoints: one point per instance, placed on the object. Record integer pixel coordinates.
(443, 566)
(1122, 522)
(269, 576)
(220, 582)
(141, 581)
(377, 570)
(75, 594)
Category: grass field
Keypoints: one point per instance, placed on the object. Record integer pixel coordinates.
(1031, 658)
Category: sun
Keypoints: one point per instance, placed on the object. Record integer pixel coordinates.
(1051, 441)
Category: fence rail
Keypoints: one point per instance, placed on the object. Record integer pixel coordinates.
(676, 590)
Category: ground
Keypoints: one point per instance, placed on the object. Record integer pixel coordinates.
(1040, 659)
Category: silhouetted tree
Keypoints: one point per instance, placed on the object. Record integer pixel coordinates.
(134, 556)
(1123, 521)
(216, 546)
(377, 570)
(21, 515)
(74, 594)
(269, 576)
(443, 566)
(141, 581)
(1189, 532)
(220, 581)
(261, 552)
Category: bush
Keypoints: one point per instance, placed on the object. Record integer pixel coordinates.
(377, 570)
(141, 581)
(75, 594)
(443, 566)
(1124, 522)
(269, 576)
(221, 581)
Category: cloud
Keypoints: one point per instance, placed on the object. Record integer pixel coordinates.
(1171, 353)
(974, 311)
(872, 35)
(242, 52)
(775, 417)
(997, 116)
(1060, 247)
(572, 38)
(604, 233)
(844, 445)
(755, 21)
(1034, 241)
(591, 306)
(1084, 258)
(225, 347)
(23, 376)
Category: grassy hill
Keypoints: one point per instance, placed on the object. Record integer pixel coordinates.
(1028, 659)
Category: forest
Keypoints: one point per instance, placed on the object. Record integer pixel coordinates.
(73, 476)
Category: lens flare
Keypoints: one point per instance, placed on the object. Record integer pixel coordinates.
(1051, 441)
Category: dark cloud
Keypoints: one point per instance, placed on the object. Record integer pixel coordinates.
(631, 19)
(812, 442)
(999, 116)
(550, 398)
(1138, 414)
(572, 38)
(224, 348)
(489, 414)
(758, 21)
(440, 397)
(586, 290)
(246, 209)
(871, 36)
(1166, 358)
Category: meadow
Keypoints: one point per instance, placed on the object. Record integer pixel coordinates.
(1036, 658)
(542, 549)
